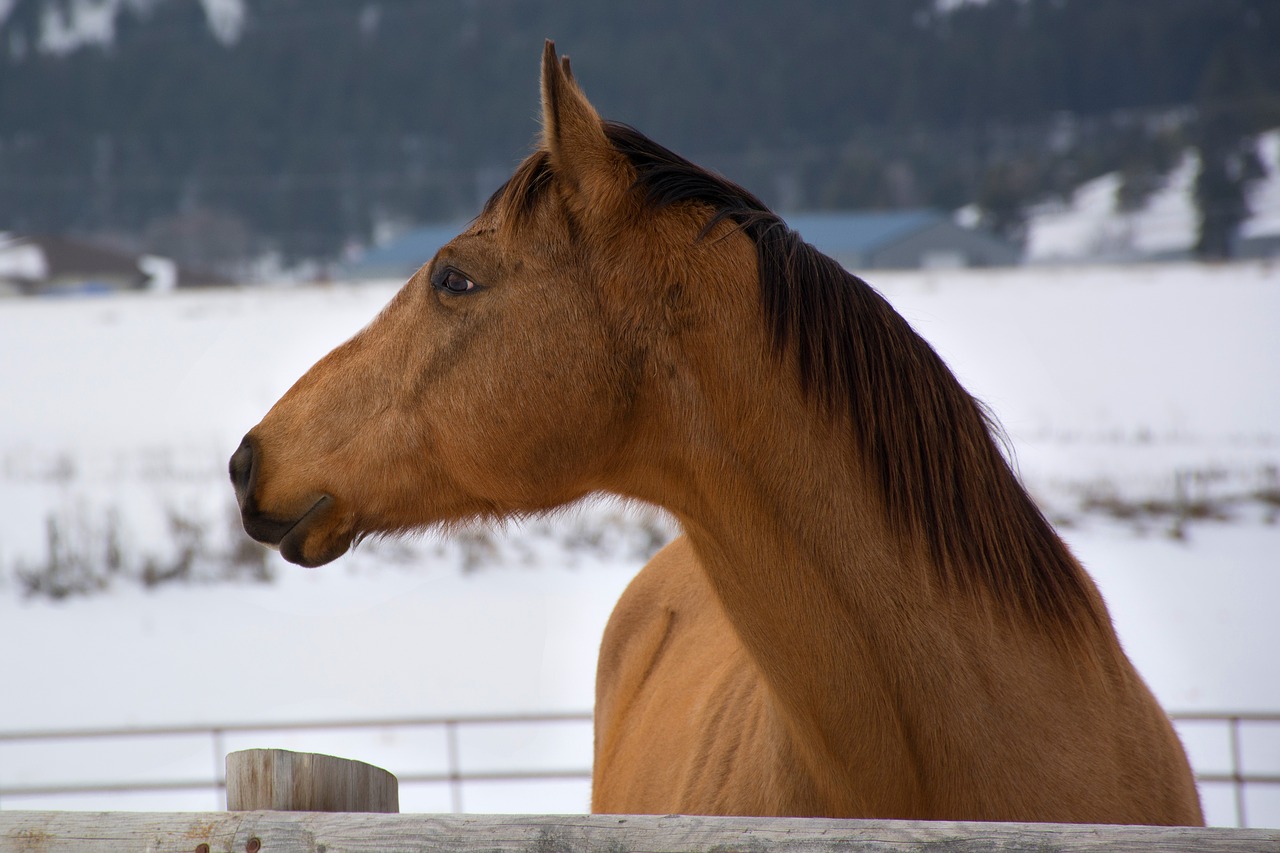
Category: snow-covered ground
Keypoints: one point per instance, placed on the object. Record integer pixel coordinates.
(1142, 404)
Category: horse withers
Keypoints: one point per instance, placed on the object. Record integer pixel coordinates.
(866, 615)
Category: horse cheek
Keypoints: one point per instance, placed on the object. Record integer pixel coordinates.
(558, 427)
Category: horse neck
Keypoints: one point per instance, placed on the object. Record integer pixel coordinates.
(828, 599)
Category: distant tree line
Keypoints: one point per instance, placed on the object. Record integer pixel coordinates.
(328, 118)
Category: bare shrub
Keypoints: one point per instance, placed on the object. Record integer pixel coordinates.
(69, 568)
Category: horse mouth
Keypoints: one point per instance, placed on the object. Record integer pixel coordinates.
(290, 536)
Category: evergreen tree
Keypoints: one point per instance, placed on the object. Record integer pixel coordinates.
(328, 116)
(1231, 106)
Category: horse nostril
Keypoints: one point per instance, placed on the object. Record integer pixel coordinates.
(241, 469)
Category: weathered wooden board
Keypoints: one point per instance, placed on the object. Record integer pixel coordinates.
(282, 780)
(302, 832)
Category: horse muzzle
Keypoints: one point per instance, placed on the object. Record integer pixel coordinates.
(288, 533)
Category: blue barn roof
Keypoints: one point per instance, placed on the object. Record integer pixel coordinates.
(403, 255)
(860, 232)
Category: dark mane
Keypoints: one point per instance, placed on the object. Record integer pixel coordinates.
(519, 194)
(930, 444)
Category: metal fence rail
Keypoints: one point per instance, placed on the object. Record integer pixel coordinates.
(454, 774)
(1235, 775)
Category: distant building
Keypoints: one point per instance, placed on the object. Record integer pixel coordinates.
(60, 265)
(902, 239)
(1262, 246)
(401, 257)
(859, 240)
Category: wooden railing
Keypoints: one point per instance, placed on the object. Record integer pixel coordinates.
(307, 832)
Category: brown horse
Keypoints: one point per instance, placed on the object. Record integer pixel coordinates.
(866, 616)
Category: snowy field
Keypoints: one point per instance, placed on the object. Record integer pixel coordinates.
(1143, 404)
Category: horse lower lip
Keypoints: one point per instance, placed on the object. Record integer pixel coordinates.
(292, 542)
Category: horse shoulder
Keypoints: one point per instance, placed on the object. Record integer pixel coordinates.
(641, 625)
(683, 718)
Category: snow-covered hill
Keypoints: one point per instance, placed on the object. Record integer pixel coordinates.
(1091, 228)
(65, 27)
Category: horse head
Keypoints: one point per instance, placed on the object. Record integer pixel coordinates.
(511, 374)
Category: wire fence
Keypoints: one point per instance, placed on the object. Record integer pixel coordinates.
(443, 762)
(91, 765)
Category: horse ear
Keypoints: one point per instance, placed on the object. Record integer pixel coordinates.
(572, 133)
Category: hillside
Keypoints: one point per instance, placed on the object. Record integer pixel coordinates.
(1092, 225)
(221, 130)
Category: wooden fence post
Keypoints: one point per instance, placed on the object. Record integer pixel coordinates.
(280, 780)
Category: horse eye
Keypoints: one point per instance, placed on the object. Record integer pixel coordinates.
(451, 281)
